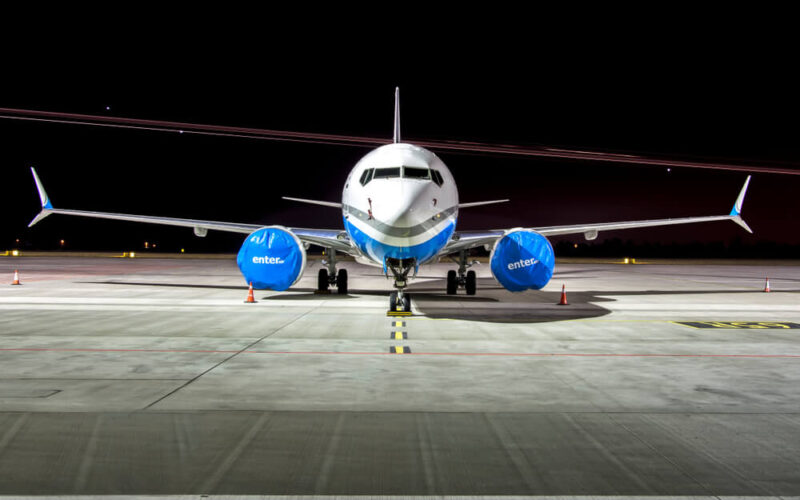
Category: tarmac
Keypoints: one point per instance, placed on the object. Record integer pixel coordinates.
(153, 377)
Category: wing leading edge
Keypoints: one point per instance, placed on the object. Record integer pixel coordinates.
(471, 239)
(331, 238)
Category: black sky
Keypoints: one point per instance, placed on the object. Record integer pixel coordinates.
(671, 90)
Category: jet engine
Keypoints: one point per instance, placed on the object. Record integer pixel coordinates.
(272, 257)
(522, 259)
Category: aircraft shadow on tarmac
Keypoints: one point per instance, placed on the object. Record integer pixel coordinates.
(177, 285)
(493, 303)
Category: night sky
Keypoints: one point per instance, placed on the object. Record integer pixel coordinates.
(726, 97)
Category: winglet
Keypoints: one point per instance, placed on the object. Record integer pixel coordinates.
(46, 204)
(42, 193)
(738, 219)
(736, 211)
(396, 137)
(737, 207)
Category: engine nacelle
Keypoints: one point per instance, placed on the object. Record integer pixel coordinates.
(272, 257)
(522, 259)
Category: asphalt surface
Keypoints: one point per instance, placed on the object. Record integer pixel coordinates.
(152, 377)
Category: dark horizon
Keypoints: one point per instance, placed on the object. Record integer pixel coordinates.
(626, 104)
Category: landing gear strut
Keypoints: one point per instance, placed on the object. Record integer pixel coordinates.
(329, 277)
(462, 278)
(400, 300)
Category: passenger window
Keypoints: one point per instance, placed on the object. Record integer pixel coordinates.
(437, 177)
(385, 173)
(416, 173)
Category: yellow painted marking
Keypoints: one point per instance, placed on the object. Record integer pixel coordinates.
(398, 335)
(398, 349)
(739, 325)
(398, 324)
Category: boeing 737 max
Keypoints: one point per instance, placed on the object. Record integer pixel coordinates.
(399, 207)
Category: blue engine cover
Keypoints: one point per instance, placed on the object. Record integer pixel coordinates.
(522, 259)
(272, 257)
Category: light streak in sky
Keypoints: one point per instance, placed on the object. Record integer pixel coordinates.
(360, 141)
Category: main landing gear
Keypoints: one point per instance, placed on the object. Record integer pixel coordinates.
(330, 277)
(462, 277)
(399, 300)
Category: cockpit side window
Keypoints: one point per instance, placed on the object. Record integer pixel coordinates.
(385, 173)
(437, 177)
(366, 176)
(416, 173)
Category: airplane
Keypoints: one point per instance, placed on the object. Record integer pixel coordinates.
(399, 209)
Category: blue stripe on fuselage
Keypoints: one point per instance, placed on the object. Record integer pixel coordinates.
(379, 251)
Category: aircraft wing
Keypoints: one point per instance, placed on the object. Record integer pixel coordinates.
(330, 238)
(463, 240)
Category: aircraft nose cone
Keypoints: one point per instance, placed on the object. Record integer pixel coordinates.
(410, 207)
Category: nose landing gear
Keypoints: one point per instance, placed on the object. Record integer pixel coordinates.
(400, 301)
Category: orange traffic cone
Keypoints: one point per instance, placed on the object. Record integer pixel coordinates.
(563, 301)
(16, 278)
(250, 299)
(766, 286)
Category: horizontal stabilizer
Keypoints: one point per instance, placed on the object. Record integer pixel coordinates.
(479, 203)
(315, 202)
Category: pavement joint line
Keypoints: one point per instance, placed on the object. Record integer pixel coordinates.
(246, 350)
(115, 379)
(162, 398)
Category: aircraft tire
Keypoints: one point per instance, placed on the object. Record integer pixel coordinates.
(452, 282)
(472, 283)
(393, 301)
(406, 302)
(341, 282)
(322, 280)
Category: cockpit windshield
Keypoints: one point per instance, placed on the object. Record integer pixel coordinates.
(416, 173)
(386, 173)
(420, 173)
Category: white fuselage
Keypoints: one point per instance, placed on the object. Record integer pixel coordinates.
(400, 201)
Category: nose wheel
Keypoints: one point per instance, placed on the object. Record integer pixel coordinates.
(399, 301)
